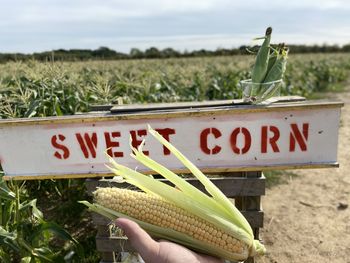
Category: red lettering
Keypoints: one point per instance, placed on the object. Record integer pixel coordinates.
(135, 141)
(247, 140)
(111, 144)
(272, 140)
(87, 144)
(63, 148)
(297, 136)
(204, 140)
(166, 132)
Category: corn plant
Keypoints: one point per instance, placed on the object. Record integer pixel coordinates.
(24, 234)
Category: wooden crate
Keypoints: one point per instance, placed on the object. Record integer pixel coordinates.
(246, 188)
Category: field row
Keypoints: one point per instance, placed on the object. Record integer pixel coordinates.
(46, 89)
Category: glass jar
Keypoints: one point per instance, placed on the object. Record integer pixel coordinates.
(257, 92)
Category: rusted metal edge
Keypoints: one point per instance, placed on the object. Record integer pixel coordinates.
(184, 105)
(212, 111)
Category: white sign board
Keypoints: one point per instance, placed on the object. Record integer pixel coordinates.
(293, 135)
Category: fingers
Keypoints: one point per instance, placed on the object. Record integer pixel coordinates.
(163, 251)
(139, 239)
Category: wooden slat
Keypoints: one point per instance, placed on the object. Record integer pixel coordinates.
(103, 230)
(255, 218)
(230, 186)
(250, 203)
(108, 256)
(207, 170)
(116, 244)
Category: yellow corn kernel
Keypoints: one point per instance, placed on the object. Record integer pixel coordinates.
(156, 211)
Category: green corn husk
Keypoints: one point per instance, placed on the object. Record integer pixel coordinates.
(267, 72)
(272, 58)
(262, 59)
(278, 68)
(215, 208)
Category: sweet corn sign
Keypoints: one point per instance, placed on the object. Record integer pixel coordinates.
(217, 139)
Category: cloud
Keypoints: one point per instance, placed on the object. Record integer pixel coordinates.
(94, 10)
(52, 12)
(291, 5)
(36, 25)
(213, 41)
(55, 11)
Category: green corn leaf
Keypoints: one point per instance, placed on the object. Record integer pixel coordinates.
(26, 259)
(6, 192)
(35, 210)
(262, 59)
(212, 189)
(183, 185)
(8, 239)
(34, 251)
(59, 232)
(214, 208)
(272, 59)
(153, 186)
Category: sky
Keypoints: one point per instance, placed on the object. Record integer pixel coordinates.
(29, 26)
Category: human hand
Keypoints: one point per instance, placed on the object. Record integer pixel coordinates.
(159, 251)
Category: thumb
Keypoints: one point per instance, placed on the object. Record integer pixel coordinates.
(139, 239)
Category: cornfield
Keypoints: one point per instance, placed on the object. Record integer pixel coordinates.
(38, 89)
(52, 89)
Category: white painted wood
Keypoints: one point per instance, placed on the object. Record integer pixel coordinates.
(27, 150)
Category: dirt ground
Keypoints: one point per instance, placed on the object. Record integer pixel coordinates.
(307, 219)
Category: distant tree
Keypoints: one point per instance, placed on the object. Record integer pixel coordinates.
(346, 48)
(136, 53)
(170, 53)
(243, 50)
(104, 53)
(152, 52)
(223, 52)
(202, 53)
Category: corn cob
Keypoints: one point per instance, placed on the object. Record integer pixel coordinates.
(278, 68)
(272, 58)
(156, 211)
(209, 224)
(262, 59)
(267, 72)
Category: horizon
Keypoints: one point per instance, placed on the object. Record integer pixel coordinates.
(180, 51)
(42, 26)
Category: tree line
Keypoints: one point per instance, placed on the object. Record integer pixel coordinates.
(105, 53)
